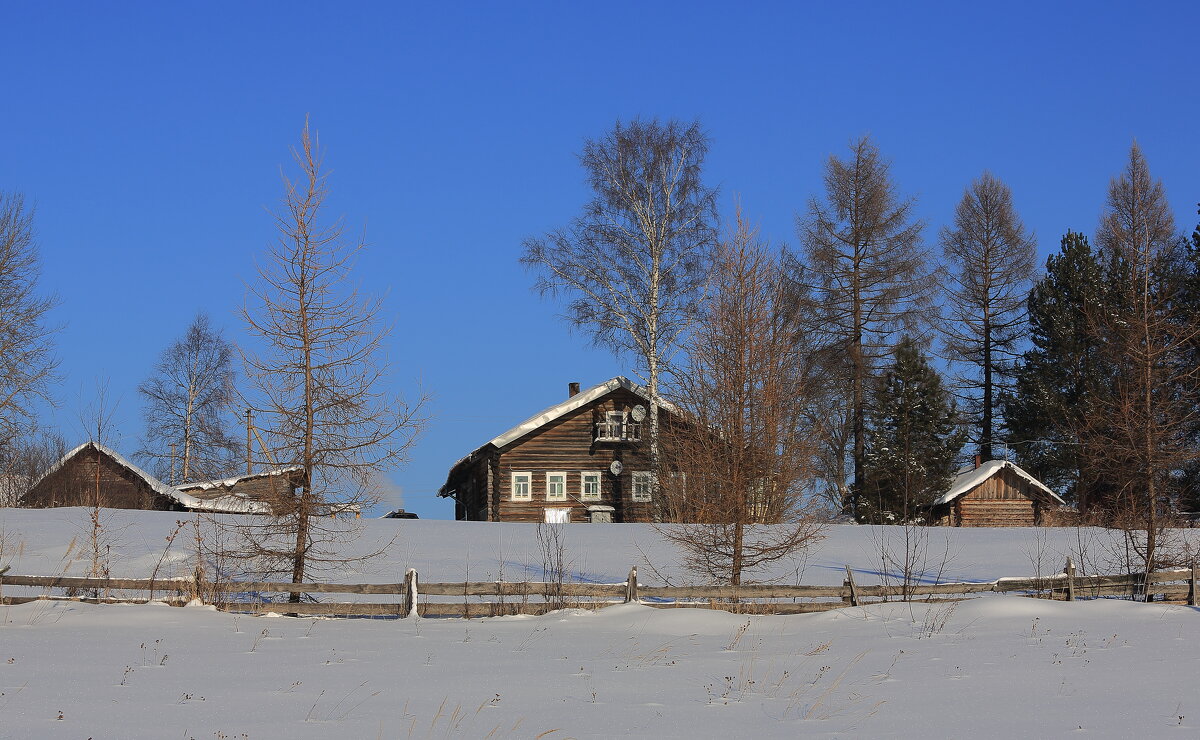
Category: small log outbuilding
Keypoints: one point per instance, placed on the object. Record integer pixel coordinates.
(997, 493)
(94, 475)
(586, 459)
(273, 491)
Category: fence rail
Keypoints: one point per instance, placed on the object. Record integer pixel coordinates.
(508, 597)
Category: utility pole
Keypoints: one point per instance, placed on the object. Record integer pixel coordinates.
(249, 442)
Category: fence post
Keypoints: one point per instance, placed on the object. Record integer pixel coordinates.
(631, 593)
(410, 593)
(852, 589)
(1070, 571)
(1191, 585)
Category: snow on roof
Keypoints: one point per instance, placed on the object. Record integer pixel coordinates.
(206, 485)
(557, 411)
(576, 401)
(971, 477)
(220, 504)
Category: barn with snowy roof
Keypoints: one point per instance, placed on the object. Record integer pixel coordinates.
(94, 475)
(996, 493)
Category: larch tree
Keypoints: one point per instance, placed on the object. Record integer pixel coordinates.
(27, 361)
(632, 264)
(991, 256)
(870, 274)
(189, 407)
(740, 453)
(1148, 408)
(318, 378)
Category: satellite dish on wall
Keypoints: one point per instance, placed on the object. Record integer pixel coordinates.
(638, 412)
(616, 467)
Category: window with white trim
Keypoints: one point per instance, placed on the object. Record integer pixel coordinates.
(642, 480)
(556, 486)
(589, 486)
(521, 485)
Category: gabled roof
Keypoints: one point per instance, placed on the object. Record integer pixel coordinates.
(970, 477)
(221, 504)
(577, 401)
(557, 411)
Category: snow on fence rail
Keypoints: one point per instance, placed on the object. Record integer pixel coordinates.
(514, 597)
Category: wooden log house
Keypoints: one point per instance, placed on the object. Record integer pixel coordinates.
(94, 475)
(586, 459)
(997, 493)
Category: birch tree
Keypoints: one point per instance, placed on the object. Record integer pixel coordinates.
(991, 256)
(631, 265)
(319, 377)
(868, 270)
(27, 361)
(189, 407)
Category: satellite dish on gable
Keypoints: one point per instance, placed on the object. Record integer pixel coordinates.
(616, 467)
(638, 412)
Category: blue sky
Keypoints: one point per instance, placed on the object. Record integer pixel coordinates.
(150, 137)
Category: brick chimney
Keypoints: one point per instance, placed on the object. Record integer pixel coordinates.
(977, 462)
(572, 390)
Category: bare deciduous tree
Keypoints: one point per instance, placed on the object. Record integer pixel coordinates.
(1144, 417)
(319, 377)
(740, 455)
(868, 270)
(992, 256)
(189, 401)
(24, 460)
(27, 362)
(632, 263)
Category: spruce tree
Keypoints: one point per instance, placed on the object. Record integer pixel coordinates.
(1056, 378)
(913, 437)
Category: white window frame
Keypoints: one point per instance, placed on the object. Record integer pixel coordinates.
(516, 486)
(556, 497)
(583, 485)
(646, 478)
(614, 424)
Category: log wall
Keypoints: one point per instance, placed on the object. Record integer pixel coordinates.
(483, 485)
(1004, 500)
(74, 484)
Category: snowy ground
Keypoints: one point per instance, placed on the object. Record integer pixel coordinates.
(1000, 666)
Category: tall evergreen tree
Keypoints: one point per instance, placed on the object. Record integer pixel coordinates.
(1057, 377)
(913, 437)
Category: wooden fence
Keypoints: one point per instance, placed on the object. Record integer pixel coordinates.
(495, 598)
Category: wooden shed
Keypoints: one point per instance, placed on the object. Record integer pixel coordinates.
(275, 490)
(997, 493)
(94, 475)
(581, 460)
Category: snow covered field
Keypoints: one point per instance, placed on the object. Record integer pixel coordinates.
(999, 666)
